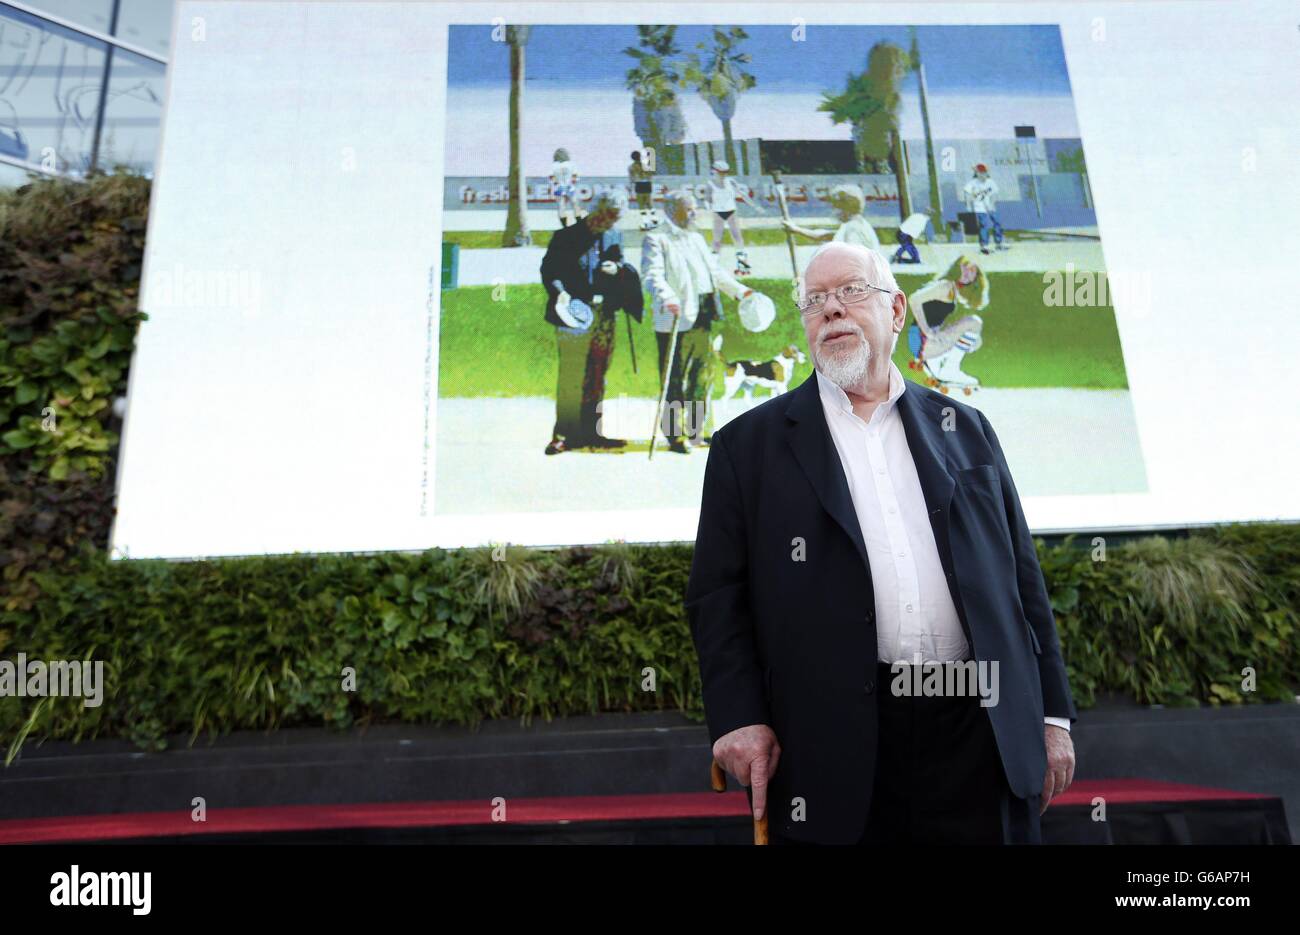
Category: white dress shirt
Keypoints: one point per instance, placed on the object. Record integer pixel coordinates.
(915, 614)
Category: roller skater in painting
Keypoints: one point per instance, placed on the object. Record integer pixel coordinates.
(722, 195)
(938, 341)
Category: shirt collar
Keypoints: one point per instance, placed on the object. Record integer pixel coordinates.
(832, 395)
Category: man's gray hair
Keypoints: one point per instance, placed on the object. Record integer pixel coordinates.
(877, 266)
(676, 197)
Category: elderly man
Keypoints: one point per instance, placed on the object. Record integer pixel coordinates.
(682, 277)
(580, 262)
(857, 536)
(849, 203)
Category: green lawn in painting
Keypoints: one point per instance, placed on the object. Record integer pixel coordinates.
(504, 348)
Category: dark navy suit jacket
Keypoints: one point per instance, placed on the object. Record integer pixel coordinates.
(792, 644)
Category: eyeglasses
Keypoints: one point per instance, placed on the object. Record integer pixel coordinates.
(813, 302)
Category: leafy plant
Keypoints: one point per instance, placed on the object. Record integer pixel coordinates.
(70, 261)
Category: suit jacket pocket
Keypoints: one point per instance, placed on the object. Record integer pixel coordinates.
(980, 498)
(979, 474)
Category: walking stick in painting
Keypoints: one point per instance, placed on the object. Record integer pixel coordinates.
(719, 780)
(785, 216)
(631, 345)
(668, 372)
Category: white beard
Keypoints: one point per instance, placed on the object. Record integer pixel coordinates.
(844, 366)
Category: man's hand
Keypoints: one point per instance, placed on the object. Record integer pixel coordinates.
(750, 754)
(1060, 763)
(747, 293)
(672, 308)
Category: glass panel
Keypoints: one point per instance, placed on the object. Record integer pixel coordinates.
(132, 113)
(50, 78)
(93, 14)
(146, 23)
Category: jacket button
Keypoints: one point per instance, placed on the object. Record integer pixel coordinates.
(869, 687)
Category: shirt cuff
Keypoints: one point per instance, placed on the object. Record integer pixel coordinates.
(1063, 722)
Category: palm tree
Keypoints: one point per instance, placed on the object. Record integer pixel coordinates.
(516, 232)
(869, 104)
(656, 108)
(932, 169)
(721, 79)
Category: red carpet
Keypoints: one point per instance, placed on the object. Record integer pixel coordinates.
(518, 811)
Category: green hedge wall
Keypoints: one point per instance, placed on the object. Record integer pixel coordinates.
(455, 637)
(70, 262)
(202, 648)
(263, 642)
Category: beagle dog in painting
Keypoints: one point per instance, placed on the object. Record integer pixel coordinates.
(775, 374)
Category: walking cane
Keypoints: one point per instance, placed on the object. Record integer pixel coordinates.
(719, 780)
(668, 372)
(631, 345)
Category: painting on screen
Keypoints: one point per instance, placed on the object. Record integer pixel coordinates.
(954, 151)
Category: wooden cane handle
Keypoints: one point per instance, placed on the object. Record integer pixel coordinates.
(718, 779)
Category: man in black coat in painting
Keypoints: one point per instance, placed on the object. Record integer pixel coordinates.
(587, 283)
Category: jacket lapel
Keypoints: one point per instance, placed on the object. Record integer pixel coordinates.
(922, 416)
(810, 440)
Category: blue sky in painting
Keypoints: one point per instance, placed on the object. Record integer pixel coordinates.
(958, 59)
